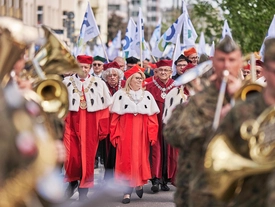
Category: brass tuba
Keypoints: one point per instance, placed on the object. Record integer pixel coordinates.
(27, 147)
(15, 38)
(52, 60)
(226, 168)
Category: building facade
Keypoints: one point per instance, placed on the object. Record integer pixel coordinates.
(63, 16)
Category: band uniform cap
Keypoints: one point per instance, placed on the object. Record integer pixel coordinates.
(132, 60)
(190, 51)
(99, 58)
(111, 65)
(164, 62)
(85, 59)
(133, 70)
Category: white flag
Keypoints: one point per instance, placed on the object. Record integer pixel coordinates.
(177, 53)
(270, 34)
(201, 49)
(89, 29)
(212, 51)
(146, 52)
(139, 37)
(170, 36)
(115, 46)
(99, 50)
(189, 32)
(128, 49)
(156, 34)
(226, 30)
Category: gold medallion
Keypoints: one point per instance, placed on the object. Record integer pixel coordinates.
(83, 104)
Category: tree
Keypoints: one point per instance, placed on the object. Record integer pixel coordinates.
(115, 23)
(248, 20)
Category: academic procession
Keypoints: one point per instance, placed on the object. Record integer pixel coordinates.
(166, 121)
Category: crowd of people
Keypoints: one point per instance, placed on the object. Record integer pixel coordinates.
(145, 128)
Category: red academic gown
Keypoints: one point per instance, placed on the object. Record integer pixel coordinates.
(131, 134)
(81, 145)
(82, 133)
(110, 151)
(163, 156)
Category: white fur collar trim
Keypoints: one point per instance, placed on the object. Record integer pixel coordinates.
(136, 102)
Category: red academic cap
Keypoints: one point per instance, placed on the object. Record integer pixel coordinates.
(190, 51)
(85, 59)
(111, 65)
(187, 67)
(153, 65)
(133, 70)
(164, 63)
(259, 63)
(247, 67)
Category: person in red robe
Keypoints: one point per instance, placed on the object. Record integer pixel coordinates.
(86, 123)
(134, 126)
(112, 75)
(163, 156)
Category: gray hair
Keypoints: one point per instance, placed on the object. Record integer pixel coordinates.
(107, 72)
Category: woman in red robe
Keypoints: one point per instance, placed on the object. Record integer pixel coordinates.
(134, 126)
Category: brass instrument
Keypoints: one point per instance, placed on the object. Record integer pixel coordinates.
(52, 60)
(196, 78)
(27, 148)
(249, 86)
(226, 168)
(15, 38)
(194, 73)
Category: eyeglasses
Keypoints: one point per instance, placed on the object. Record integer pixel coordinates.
(138, 78)
(97, 64)
(164, 70)
(181, 65)
(193, 58)
(112, 75)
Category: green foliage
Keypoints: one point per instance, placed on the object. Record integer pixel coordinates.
(249, 20)
(116, 23)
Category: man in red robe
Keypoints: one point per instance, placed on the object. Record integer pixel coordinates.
(163, 156)
(86, 124)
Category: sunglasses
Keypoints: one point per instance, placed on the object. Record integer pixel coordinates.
(97, 64)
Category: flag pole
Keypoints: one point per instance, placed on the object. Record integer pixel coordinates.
(140, 40)
(148, 48)
(105, 53)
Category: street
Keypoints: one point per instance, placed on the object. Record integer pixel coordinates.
(110, 195)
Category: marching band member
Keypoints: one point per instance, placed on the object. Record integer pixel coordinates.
(190, 125)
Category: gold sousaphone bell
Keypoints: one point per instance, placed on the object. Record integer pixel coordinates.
(226, 168)
(52, 60)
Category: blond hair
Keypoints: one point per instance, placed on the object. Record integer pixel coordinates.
(127, 87)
